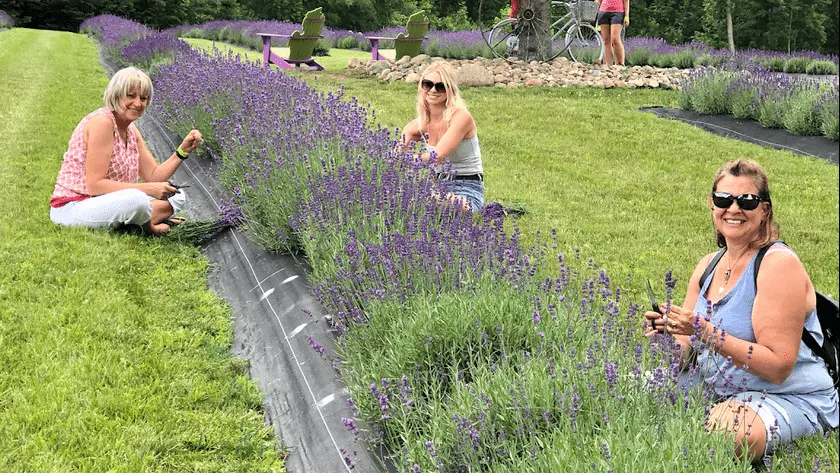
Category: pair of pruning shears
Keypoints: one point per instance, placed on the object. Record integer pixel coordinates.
(176, 186)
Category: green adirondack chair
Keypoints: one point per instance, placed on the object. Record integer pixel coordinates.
(301, 44)
(409, 44)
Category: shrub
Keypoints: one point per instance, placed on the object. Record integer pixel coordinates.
(771, 112)
(797, 65)
(707, 91)
(802, 116)
(683, 59)
(744, 104)
(322, 48)
(637, 57)
(821, 68)
(774, 63)
(6, 21)
(827, 107)
(662, 60)
(347, 42)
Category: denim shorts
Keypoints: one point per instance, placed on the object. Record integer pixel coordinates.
(610, 18)
(471, 191)
(786, 417)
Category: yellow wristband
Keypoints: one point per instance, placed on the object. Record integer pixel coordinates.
(181, 153)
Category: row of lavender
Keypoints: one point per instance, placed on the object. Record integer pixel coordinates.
(802, 106)
(461, 349)
(6, 21)
(470, 44)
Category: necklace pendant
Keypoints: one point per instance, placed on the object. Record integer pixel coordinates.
(720, 291)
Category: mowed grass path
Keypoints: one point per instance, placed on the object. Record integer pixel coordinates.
(114, 356)
(627, 188)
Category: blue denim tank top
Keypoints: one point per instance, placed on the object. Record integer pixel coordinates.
(733, 313)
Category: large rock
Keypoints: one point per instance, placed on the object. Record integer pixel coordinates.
(475, 75)
(404, 60)
(378, 66)
(413, 77)
(420, 59)
(354, 62)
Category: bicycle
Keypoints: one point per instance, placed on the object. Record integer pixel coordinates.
(571, 32)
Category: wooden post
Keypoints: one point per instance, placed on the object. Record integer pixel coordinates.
(534, 38)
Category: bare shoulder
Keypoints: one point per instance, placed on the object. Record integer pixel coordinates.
(463, 120)
(100, 128)
(781, 259)
(462, 115)
(411, 131)
(705, 261)
(99, 123)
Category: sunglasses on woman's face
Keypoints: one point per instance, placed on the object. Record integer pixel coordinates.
(428, 85)
(723, 200)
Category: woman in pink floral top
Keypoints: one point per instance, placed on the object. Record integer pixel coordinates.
(98, 184)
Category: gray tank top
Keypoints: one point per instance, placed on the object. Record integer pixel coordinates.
(465, 158)
(733, 313)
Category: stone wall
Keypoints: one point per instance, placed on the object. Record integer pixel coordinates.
(501, 73)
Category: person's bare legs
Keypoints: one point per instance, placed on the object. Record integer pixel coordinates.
(733, 417)
(606, 31)
(161, 210)
(617, 45)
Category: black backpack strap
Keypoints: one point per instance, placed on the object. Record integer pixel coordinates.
(711, 266)
(809, 339)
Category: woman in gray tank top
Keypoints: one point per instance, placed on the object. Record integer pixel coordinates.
(771, 388)
(448, 131)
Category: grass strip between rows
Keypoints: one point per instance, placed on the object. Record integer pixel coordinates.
(115, 355)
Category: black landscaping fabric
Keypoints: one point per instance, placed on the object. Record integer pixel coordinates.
(303, 399)
(751, 131)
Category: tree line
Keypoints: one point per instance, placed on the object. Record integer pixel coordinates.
(780, 25)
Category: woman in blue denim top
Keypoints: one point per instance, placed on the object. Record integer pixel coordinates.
(746, 332)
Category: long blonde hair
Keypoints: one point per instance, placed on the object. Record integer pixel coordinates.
(453, 95)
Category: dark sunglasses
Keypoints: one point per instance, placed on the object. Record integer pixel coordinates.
(723, 200)
(439, 86)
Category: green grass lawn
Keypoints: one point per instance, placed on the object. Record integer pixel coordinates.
(114, 355)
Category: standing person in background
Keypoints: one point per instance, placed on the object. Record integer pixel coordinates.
(514, 8)
(613, 16)
(98, 185)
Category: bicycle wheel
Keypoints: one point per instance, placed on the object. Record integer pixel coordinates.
(502, 38)
(584, 43)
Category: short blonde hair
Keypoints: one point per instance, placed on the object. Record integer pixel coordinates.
(123, 82)
(453, 95)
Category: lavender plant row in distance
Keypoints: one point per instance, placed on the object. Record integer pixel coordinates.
(461, 349)
(802, 106)
(469, 44)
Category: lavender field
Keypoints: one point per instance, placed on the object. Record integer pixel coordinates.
(470, 44)
(463, 348)
(797, 104)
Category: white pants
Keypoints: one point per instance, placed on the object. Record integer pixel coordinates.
(127, 206)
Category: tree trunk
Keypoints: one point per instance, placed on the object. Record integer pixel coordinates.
(729, 35)
(534, 37)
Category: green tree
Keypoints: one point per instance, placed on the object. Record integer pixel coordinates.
(832, 29)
